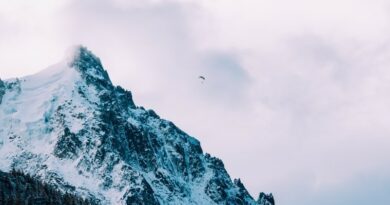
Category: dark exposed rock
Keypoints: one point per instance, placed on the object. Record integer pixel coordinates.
(125, 98)
(243, 194)
(68, 145)
(90, 66)
(2, 90)
(217, 189)
(142, 195)
(266, 199)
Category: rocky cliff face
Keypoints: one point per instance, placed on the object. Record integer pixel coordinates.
(72, 128)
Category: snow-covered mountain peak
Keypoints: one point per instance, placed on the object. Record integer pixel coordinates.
(88, 64)
(71, 127)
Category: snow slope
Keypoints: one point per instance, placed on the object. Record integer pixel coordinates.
(71, 127)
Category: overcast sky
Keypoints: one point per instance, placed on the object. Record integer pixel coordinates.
(297, 96)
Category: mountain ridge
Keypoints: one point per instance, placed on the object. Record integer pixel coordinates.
(72, 128)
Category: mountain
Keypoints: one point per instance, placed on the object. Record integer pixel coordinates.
(70, 127)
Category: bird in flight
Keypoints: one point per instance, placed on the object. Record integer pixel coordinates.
(202, 78)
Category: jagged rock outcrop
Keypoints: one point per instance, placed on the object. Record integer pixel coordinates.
(266, 199)
(72, 128)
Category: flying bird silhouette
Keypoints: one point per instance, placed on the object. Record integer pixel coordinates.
(202, 78)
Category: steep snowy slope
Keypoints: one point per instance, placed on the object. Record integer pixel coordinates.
(71, 127)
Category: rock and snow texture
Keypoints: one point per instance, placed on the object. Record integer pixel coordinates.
(72, 128)
(266, 199)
